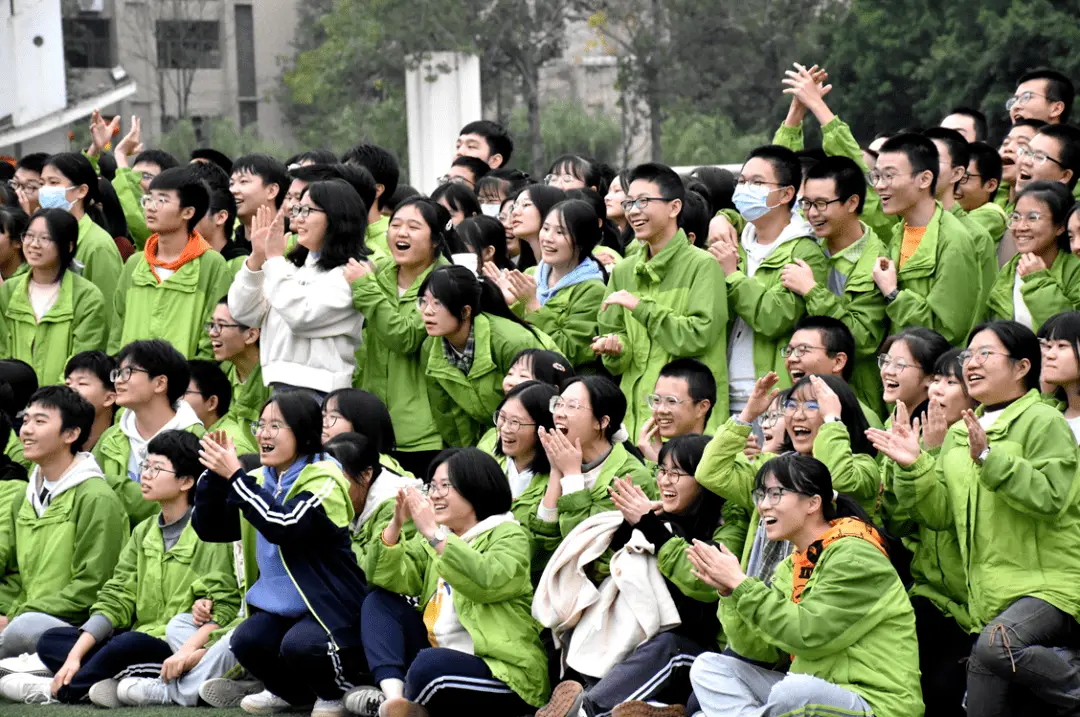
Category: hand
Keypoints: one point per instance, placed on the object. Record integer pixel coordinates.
(65, 674)
(977, 441)
(649, 442)
(563, 455)
(752, 448)
(401, 509)
(605, 258)
(901, 442)
(828, 401)
(1029, 264)
(797, 111)
(807, 85)
(202, 611)
(523, 287)
(609, 345)
(498, 277)
(722, 230)
(131, 144)
(798, 278)
(631, 500)
(716, 567)
(101, 132)
(422, 512)
(260, 229)
(622, 298)
(275, 237)
(357, 269)
(933, 433)
(764, 393)
(727, 256)
(24, 201)
(884, 274)
(218, 454)
(175, 665)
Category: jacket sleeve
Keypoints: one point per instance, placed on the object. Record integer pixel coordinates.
(772, 311)
(496, 575)
(217, 581)
(863, 314)
(309, 314)
(400, 329)
(724, 469)
(790, 137)
(952, 299)
(117, 597)
(129, 191)
(399, 568)
(921, 491)
(1045, 296)
(117, 304)
(859, 479)
(675, 566)
(91, 329)
(214, 520)
(612, 320)
(999, 302)
(104, 266)
(838, 141)
(573, 328)
(247, 298)
(695, 331)
(305, 517)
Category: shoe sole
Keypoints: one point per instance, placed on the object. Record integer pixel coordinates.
(36, 673)
(644, 709)
(402, 708)
(223, 693)
(363, 713)
(104, 694)
(565, 701)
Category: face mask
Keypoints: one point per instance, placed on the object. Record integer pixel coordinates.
(54, 198)
(469, 261)
(490, 210)
(752, 202)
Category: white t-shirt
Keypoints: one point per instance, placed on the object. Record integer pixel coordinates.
(163, 273)
(1021, 315)
(519, 480)
(42, 297)
(1074, 424)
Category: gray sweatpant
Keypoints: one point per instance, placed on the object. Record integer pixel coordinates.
(729, 687)
(217, 662)
(22, 634)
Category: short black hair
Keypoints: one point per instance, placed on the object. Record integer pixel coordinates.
(977, 117)
(477, 166)
(266, 168)
(1021, 343)
(214, 157)
(303, 415)
(1059, 88)
(222, 200)
(1068, 137)
(459, 197)
(784, 162)
(22, 379)
(535, 397)
(192, 191)
(987, 163)
(546, 366)
(959, 152)
(355, 453)
(182, 449)
(808, 157)
(845, 173)
(836, 338)
(215, 177)
(664, 177)
(721, 185)
(694, 218)
(368, 415)
(211, 381)
(1029, 122)
(99, 363)
(496, 136)
(382, 164)
(33, 162)
(160, 157)
(316, 156)
(158, 358)
(699, 379)
(920, 151)
(75, 411)
(477, 478)
(403, 192)
(355, 175)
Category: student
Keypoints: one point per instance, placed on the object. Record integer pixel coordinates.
(383, 166)
(541, 365)
(1009, 476)
(1018, 138)
(835, 609)
(1059, 338)
(907, 361)
(497, 186)
(13, 224)
(467, 170)
(531, 207)
(350, 410)
(1052, 155)
(457, 199)
(977, 191)
(1042, 94)
(257, 180)
(67, 534)
(12, 490)
(302, 301)
(169, 290)
(666, 302)
(1043, 279)
(70, 183)
(90, 374)
(236, 346)
(933, 277)
(763, 310)
(485, 237)
(1073, 223)
(303, 588)
(403, 192)
(969, 122)
(209, 394)
(210, 155)
(485, 140)
(150, 381)
(475, 645)
(573, 172)
(162, 570)
(50, 312)
(27, 181)
(472, 339)
(681, 403)
(20, 378)
(219, 222)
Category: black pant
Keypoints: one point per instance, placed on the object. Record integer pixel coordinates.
(293, 657)
(416, 462)
(943, 650)
(657, 670)
(446, 682)
(127, 654)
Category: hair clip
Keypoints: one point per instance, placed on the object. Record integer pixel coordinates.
(449, 225)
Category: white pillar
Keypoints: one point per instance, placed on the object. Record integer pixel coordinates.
(32, 84)
(442, 92)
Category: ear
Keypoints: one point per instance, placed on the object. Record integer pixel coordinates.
(212, 404)
(220, 218)
(488, 253)
(925, 178)
(379, 189)
(187, 213)
(957, 174)
(1023, 367)
(81, 191)
(702, 407)
(1056, 109)
(251, 337)
(692, 237)
(467, 313)
(604, 423)
(674, 208)
(851, 204)
(110, 399)
(840, 360)
(992, 186)
(495, 161)
(70, 435)
(160, 384)
(272, 190)
(1067, 177)
(187, 483)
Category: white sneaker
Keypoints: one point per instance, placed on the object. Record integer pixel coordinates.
(142, 692)
(264, 703)
(226, 694)
(103, 694)
(328, 708)
(364, 701)
(24, 663)
(29, 689)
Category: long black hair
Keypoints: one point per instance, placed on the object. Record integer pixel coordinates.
(111, 210)
(303, 415)
(535, 398)
(457, 288)
(356, 454)
(851, 413)
(346, 225)
(808, 476)
(478, 233)
(1020, 342)
(63, 233)
(78, 170)
(609, 233)
(578, 221)
(459, 197)
(701, 517)
(368, 415)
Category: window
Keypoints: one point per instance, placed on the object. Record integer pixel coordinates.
(87, 42)
(245, 66)
(189, 44)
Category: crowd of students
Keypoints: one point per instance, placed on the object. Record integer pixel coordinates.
(800, 440)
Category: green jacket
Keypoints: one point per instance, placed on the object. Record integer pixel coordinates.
(176, 309)
(14, 451)
(682, 312)
(128, 186)
(66, 555)
(150, 586)
(389, 357)
(248, 397)
(1016, 517)
(375, 238)
(941, 283)
(992, 218)
(492, 596)
(76, 322)
(862, 309)
(11, 493)
(986, 257)
(854, 626)
(569, 318)
(1045, 293)
(462, 405)
(101, 261)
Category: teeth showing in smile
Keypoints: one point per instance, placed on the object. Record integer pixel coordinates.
(798, 431)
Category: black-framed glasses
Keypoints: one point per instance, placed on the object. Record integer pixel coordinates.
(508, 423)
(744, 182)
(886, 179)
(818, 204)
(672, 474)
(329, 420)
(302, 211)
(153, 470)
(968, 176)
(1038, 157)
(439, 490)
(216, 327)
(641, 203)
(124, 374)
(799, 351)
(775, 495)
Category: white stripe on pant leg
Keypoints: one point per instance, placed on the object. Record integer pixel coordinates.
(661, 676)
(142, 669)
(474, 684)
(339, 671)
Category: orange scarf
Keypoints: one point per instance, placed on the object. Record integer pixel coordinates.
(196, 246)
(803, 563)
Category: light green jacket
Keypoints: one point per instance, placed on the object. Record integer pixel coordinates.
(569, 318)
(248, 397)
(1046, 292)
(101, 260)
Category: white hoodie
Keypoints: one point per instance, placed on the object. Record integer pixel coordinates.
(383, 488)
(185, 418)
(84, 468)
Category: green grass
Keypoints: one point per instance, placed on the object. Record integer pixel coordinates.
(8, 709)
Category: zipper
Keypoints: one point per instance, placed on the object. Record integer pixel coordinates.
(329, 635)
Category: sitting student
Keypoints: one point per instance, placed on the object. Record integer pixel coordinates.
(977, 191)
(860, 655)
(302, 584)
(681, 403)
(350, 410)
(151, 379)
(50, 313)
(12, 491)
(154, 580)
(209, 394)
(236, 346)
(1060, 341)
(658, 670)
(1043, 279)
(933, 278)
(541, 365)
(666, 302)
(384, 168)
(485, 140)
(256, 181)
(474, 645)
(67, 534)
(90, 374)
(169, 290)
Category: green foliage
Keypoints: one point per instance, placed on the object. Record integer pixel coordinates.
(566, 127)
(223, 135)
(693, 139)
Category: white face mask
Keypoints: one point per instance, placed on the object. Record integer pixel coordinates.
(467, 260)
(490, 210)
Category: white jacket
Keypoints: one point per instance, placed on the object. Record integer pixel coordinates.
(631, 606)
(310, 330)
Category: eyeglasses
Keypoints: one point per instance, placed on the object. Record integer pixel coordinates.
(508, 423)
(818, 204)
(1029, 218)
(771, 418)
(29, 239)
(674, 474)
(799, 351)
(423, 304)
(1021, 99)
(216, 327)
(270, 429)
(448, 178)
(641, 203)
(773, 494)
(1038, 157)
(968, 176)
(439, 490)
(27, 187)
(329, 420)
(979, 357)
(807, 407)
(301, 211)
(148, 201)
(885, 179)
(124, 374)
(655, 400)
(558, 402)
(565, 178)
(885, 361)
(153, 470)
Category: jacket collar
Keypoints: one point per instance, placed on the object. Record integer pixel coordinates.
(20, 308)
(1014, 410)
(652, 270)
(186, 278)
(924, 259)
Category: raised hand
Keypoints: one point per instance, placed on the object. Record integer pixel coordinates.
(101, 132)
(649, 441)
(933, 434)
(631, 500)
(131, 144)
(609, 345)
(357, 269)
(564, 456)
(977, 440)
(901, 442)
(828, 401)
(764, 393)
(219, 458)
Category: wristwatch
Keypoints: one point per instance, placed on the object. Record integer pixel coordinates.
(441, 534)
(832, 419)
(891, 296)
(982, 456)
